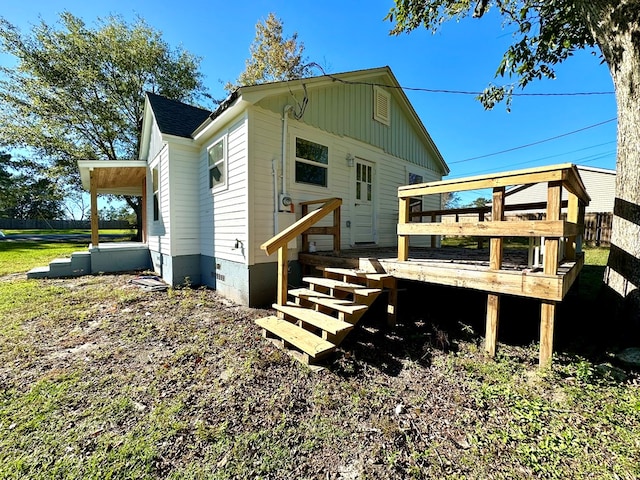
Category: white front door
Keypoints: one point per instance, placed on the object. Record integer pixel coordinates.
(364, 195)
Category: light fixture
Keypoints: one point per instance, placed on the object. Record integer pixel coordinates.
(350, 160)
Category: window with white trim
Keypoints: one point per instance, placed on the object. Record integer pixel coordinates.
(381, 106)
(312, 163)
(217, 165)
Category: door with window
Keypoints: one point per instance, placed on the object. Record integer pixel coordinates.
(364, 227)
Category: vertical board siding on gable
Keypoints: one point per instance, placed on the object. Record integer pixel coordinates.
(223, 214)
(160, 230)
(183, 175)
(347, 110)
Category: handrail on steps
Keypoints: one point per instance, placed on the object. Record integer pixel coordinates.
(280, 241)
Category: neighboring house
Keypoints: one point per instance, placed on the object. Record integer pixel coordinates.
(219, 184)
(600, 184)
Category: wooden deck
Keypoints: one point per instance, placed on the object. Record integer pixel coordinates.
(495, 270)
(458, 267)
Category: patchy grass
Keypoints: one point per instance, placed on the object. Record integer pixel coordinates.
(99, 379)
(22, 255)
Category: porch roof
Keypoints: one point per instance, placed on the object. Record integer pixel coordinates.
(117, 177)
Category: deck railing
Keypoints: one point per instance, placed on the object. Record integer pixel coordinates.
(552, 229)
(304, 227)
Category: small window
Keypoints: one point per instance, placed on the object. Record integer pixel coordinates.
(381, 106)
(312, 162)
(217, 166)
(156, 195)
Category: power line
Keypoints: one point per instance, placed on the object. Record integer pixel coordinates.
(534, 143)
(453, 92)
(535, 160)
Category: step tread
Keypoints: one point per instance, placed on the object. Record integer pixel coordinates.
(317, 319)
(344, 306)
(305, 292)
(306, 341)
(344, 286)
(357, 273)
(60, 261)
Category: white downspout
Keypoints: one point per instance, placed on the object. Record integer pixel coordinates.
(276, 198)
(285, 123)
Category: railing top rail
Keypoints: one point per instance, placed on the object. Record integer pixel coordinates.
(315, 202)
(567, 173)
(288, 234)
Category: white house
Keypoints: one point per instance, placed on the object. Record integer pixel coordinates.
(219, 184)
(599, 182)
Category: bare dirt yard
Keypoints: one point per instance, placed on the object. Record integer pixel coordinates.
(101, 379)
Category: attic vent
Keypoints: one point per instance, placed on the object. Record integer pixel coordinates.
(381, 106)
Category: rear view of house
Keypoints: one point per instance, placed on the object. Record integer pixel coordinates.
(221, 183)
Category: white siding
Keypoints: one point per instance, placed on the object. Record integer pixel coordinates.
(185, 219)
(224, 213)
(390, 173)
(155, 141)
(160, 230)
(599, 183)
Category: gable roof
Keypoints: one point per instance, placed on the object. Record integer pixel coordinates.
(174, 117)
(255, 94)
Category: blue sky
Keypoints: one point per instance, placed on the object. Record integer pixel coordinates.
(352, 35)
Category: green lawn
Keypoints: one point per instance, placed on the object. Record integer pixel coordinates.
(22, 256)
(19, 256)
(103, 380)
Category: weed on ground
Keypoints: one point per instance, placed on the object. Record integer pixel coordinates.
(99, 379)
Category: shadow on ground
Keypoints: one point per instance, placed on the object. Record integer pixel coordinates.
(435, 318)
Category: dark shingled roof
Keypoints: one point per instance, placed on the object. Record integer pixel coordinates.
(176, 118)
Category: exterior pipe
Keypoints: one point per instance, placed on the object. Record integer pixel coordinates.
(276, 199)
(285, 122)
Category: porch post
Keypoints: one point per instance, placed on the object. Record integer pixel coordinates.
(93, 186)
(143, 234)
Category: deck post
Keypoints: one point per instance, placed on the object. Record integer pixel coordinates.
(434, 239)
(550, 262)
(403, 218)
(93, 186)
(573, 216)
(480, 239)
(283, 273)
(336, 231)
(495, 263)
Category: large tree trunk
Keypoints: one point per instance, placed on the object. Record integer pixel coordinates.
(616, 28)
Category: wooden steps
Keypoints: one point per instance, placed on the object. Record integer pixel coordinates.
(331, 285)
(312, 345)
(323, 314)
(322, 321)
(348, 308)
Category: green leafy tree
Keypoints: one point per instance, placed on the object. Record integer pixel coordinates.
(479, 202)
(273, 56)
(77, 92)
(30, 198)
(546, 33)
